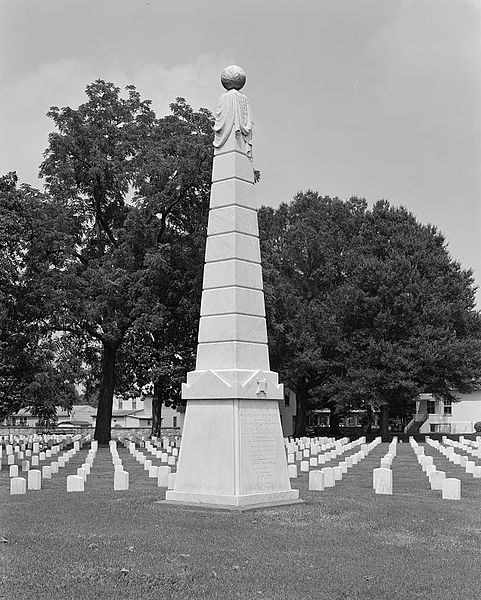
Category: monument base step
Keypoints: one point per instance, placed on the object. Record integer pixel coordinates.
(231, 503)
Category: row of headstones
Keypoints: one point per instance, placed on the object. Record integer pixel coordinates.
(450, 486)
(76, 483)
(309, 447)
(467, 446)
(465, 442)
(17, 443)
(328, 476)
(34, 443)
(382, 479)
(42, 456)
(163, 473)
(31, 452)
(168, 454)
(19, 485)
(457, 459)
(326, 455)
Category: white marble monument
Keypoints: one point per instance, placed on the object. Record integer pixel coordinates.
(232, 452)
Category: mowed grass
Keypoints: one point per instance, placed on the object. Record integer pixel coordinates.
(343, 543)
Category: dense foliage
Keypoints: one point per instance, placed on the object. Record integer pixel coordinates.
(128, 196)
(35, 369)
(366, 307)
(100, 277)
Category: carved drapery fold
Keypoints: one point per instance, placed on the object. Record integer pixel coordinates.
(233, 113)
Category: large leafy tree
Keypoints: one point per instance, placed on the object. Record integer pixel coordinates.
(366, 307)
(407, 312)
(159, 354)
(305, 247)
(35, 371)
(137, 186)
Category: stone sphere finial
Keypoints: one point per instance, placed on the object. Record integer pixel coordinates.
(233, 78)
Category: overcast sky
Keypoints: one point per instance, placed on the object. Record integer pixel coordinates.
(374, 98)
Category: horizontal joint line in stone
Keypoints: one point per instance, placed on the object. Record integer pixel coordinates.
(233, 340)
(253, 235)
(230, 178)
(233, 204)
(237, 204)
(223, 314)
(230, 152)
(220, 260)
(232, 285)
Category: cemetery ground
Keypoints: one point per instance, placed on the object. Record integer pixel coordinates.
(342, 543)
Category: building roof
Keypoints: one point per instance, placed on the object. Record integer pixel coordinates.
(122, 413)
(61, 412)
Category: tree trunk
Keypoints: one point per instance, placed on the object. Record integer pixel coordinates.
(157, 402)
(334, 423)
(384, 422)
(368, 420)
(301, 421)
(106, 393)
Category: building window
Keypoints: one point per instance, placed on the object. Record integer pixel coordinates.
(448, 407)
(293, 422)
(432, 428)
(120, 404)
(134, 404)
(174, 421)
(431, 407)
(287, 399)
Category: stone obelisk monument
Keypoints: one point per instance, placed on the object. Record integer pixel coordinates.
(232, 452)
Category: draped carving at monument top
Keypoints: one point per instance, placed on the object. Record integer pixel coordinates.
(233, 114)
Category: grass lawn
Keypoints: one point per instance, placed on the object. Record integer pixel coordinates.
(344, 543)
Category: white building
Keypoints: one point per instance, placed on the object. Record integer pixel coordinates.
(80, 415)
(434, 415)
(137, 412)
(132, 413)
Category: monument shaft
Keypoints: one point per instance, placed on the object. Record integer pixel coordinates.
(232, 449)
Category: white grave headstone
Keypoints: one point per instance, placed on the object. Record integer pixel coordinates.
(121, 480)
(328, 473)
(382, 481)
(171, 484)
(292, 470)
(153, 472)
(75, 483)
(34, 479)
(18, 485)
(436, 480)
(316, 480)
(451, 489)
(337, 473)
(163, 476)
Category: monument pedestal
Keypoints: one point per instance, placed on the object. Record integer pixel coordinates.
(233, 455)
